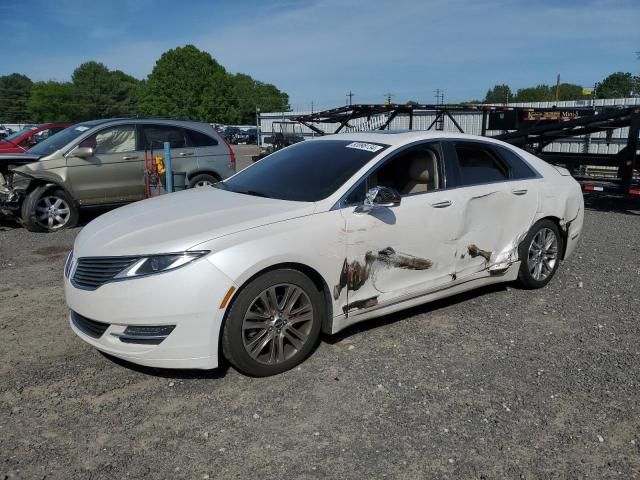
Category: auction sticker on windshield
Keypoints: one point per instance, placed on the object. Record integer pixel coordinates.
(369, 147)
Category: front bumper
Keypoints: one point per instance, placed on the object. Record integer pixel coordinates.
(188, 297)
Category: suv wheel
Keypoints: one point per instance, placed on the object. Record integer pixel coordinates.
(48, 209)
(203, 180)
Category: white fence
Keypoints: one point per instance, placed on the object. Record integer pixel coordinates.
(470, 122)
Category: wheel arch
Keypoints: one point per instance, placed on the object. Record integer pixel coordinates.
(310, 272)
(206, 171)
(562, 228)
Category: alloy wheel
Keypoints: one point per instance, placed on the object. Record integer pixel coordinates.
(277, 324)
(52, 212)
(543, 254)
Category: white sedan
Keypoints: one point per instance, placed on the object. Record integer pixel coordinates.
(316, 237)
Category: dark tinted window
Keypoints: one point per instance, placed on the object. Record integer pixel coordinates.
(199, 139)
(155, 136)
(307, 171)
(479, 164)
(519, 168)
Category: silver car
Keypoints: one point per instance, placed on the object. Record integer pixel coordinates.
(102, 162)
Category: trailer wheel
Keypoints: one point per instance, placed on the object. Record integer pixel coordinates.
(48, 209)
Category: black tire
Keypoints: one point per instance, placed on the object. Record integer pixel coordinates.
(203, 178)
(32, 213)
(234, 337)
(526, 250)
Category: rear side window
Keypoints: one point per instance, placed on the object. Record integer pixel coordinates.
(156, 135)
(519, 168)
(199, 139)
(480, 164)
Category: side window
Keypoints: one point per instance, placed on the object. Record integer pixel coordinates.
(156, 135)
(118, 139)
(199, 139)
(519, 168)
(413, 171)
(479, 164)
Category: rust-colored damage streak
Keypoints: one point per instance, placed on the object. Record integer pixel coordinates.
(355, 274)
(474, 251)
(359, 304)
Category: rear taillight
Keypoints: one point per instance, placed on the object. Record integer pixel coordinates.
(232, 156)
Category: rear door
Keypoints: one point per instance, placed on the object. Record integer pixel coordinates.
(500, 198)
(212, 153)
(183, 155)
(114, 174)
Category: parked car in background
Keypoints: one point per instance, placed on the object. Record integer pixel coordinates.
(249, 136)
(29, 136)
(5, 131)
(230, 134)
(101, 162)
(316, 237)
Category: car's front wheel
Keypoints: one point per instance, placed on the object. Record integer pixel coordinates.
(48, 209)
(273, 324)
(540, 254)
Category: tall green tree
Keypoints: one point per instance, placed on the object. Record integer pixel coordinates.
(499, 94)
(14, 97)
(101, 93)
(618, 85)
(53, 102)
(187, 82)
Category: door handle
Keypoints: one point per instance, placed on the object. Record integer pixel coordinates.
(130, 157)
(443, 204)
(521, 191)
(185, 154)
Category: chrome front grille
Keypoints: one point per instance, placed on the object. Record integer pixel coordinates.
(92, 272)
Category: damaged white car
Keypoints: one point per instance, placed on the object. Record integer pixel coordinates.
(316, 237)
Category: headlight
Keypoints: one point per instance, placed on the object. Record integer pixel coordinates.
(68, 264)
(159, 263)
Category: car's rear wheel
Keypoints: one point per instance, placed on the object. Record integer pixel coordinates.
(273, 324)
(540, 254)
(48, 209)
(203, 180)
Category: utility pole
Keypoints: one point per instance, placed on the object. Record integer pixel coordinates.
(350, 96)
(439, 94)
(387, 98)
(557, 87)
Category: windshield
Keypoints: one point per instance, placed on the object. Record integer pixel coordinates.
(305, 172)
(17, 134)
(59, 140)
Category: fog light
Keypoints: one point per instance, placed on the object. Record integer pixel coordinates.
(145, 334)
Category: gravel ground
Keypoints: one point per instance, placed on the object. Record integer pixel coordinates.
(497, 383)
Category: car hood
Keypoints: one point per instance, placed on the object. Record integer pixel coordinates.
(16, 159)
(177, 222)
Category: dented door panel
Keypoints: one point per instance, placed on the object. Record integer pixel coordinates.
(495, 220)
(396, 251)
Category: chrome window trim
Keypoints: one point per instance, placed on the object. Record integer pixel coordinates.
(340, 204)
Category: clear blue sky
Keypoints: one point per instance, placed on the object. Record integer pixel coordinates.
(320, 49)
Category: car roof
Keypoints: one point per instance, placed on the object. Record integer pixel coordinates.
(401, 137)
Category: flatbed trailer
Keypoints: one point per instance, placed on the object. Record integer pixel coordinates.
(532, 129)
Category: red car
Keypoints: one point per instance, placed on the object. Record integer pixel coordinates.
(26, 138)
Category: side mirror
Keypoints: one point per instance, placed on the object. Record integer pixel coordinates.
(82, 152)
(379, 197)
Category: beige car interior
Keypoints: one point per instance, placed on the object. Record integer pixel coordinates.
(415, 171)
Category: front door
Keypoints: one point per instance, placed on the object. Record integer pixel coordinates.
(403, 251)
(114, 174)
